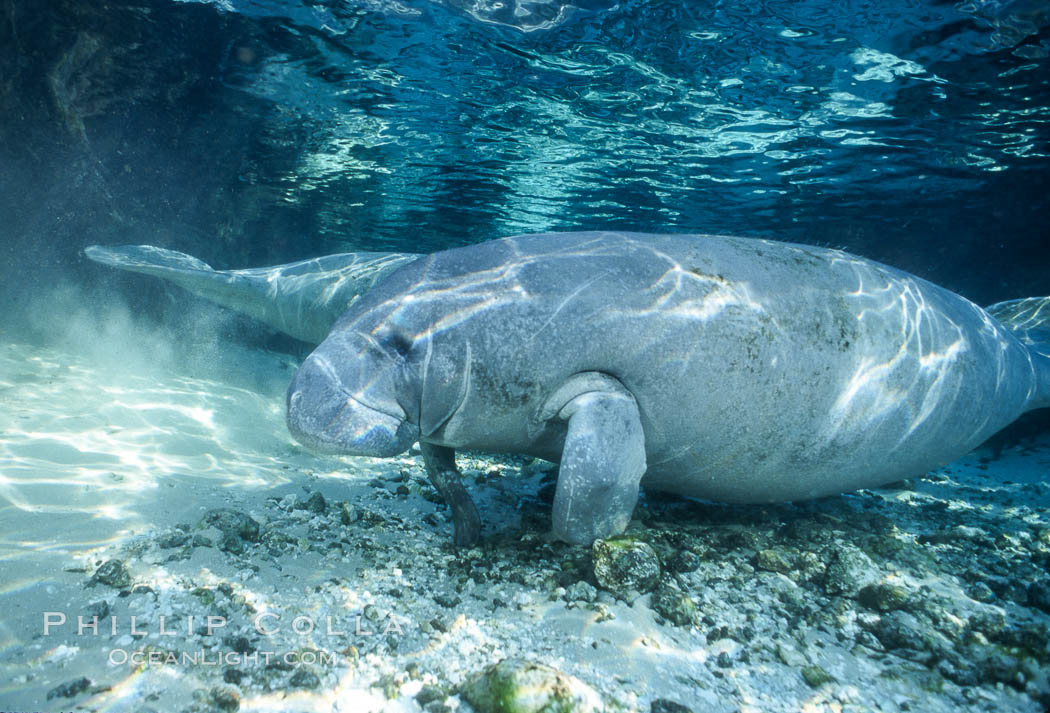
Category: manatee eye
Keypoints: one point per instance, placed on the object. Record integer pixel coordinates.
(398, 343)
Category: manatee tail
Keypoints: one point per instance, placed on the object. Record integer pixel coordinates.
(302, 299)
(147, 259)
(1028, 319)
(184, 270)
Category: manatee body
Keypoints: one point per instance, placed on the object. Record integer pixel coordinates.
(726, 368)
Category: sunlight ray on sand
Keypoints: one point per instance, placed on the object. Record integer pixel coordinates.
(89, 442)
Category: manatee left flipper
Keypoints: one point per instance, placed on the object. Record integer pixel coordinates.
(440, 463)
(602, 461)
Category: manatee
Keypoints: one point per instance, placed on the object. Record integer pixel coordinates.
(724, 368)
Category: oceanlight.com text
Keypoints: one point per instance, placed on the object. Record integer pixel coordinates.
(118, 657)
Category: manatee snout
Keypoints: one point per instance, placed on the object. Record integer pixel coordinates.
(324, 415)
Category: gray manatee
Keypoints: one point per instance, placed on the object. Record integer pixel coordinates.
(725, 368)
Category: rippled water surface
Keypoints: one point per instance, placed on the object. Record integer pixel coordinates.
(255, 131)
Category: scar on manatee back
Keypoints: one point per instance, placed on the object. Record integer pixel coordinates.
(720, 279)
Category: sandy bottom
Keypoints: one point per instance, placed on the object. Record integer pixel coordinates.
(118, 453)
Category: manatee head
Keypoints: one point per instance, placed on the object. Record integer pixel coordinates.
(353, 395)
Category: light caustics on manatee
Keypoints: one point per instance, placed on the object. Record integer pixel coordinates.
(724, 368)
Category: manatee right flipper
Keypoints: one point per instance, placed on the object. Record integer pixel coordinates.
(440, 463)
(302, 299)
(1028, 319)
(602, 461)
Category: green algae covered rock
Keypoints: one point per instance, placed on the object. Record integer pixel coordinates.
(622, 564)
(519, 686)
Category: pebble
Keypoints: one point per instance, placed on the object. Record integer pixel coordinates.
(850, 571)
(1039, 594)
(675, 605)
(883, 596)
(773, 561)
(69, 689)
(112, 573)
(816, 676)
(581, 591)
(227, 519)
(304, 678)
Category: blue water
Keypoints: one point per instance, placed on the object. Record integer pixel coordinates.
(252, 132)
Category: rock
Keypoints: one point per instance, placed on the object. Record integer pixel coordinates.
(429, 694)
(1039, 594)
(981, 592)
(240, 644)
(304, 678)
(447, 601)
(1031, 635)
(961, 672)
(622, 564)
(230, 521)
(989, 622)
(742, 540)
(816, 676)
(69, 689)
(809, 566)
(902, 630)
(1042, 537)
(676, 606)
(791, 656)
(316, 504)
(773, 561)
(581, 592)
(231, 543)
(225, 698)
(112, 573)
(236, 528)
(807, 531)
(205, 594)
(172, 539)
(850, 571)
(98, 609)
(870, 641)
(347, 514)
(684, 561)
(518, 686)
(663, 705)
(883, 596)
(1000, 668)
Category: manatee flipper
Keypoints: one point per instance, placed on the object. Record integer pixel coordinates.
(302, 299)
(440, 463)
(1028, 319)
(602, 461)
